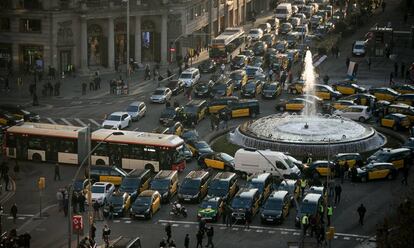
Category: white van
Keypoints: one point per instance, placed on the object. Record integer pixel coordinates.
(284, 11)
(190, 76)
(250, 161)
(358, 49)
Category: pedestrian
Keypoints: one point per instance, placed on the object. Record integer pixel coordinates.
(403, 70)
(213, 122)
(187, 241)
(338, 191)
(13, 212)
(155, 73)
(84, 88)
(383, 5)
(65, 205)
(50, 87)
(217, 121)
(91, 86)
(396, 69)
(229, 212)
(347, 61)
(106, 231)
(313, 225)
(26, 240)
(163, 243)
(199, 237)
(96, 210)
(223, 68)
(354, 173)
(321, 236)
(59, 198)
(111, 211)
(35, 100)
(405, 175)
(225, 118)
(369, 63)
(6, 181)
(303, 184)
(92, 230)
(202, 226)
(329, 213)
(391, 78)
(75, 202)
(270, 75)
(248, 218)
(305, 224)
(337, 51)
(361, 212)
(210, 234)
(168, 231)
(342, 171)
(81, 202)
(57, 172)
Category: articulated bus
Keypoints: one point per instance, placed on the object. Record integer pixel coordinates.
(59, 143)
(226, 44)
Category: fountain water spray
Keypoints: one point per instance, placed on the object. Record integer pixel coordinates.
(309, 77)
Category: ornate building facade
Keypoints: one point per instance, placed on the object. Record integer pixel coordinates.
(90, 34)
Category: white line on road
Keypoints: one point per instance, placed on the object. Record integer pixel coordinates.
(296, 234)
(259, 231)
(347, 238)
(66, 121)
(94, 122)
(51, 120)
(81, 122)
(283, 232)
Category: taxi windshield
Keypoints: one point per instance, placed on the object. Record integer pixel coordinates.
(269, 87)
(209, 204)
(143, 201)
(190, 184)
(382, 156)
(117, 200)
(218, 188)
(226, 157)
(308, 208)
(250, 86)
(168, 112)
(273, 204)
(160, 184)
(287, 187)
(255, 185)
(241, 202)
(236, 76)
(190, 109)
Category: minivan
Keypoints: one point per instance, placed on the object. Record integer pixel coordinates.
(190, 76)
(194, 186)
(245, 200)
(136, 180)
(166, 183)
(310, 206)
(263, 182)
(284, 11)
(276, 208)
(399, 157)
(250, 161)
(223, 185)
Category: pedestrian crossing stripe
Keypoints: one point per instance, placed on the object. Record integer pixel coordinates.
(51, 121)
(66, 121)
(81, 122)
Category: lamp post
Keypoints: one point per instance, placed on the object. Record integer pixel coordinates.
(70, 190)
(127, 34)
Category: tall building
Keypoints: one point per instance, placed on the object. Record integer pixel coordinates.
(92, 34)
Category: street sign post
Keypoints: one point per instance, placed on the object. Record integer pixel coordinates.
(77, 225)
(41, 184)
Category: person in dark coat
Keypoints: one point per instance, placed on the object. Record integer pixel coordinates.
(75, 202)
(347, 61)
(57, 172)
(210, 234)
(338, 191)
(81, 202)
(396, 69)
(35, 100)
(199, 237)
(248, 218)
(13, 212)
(92, 233)
(361, 212)
(186, 241)
(168, 231)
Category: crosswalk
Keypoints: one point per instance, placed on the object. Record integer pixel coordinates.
(83, 122)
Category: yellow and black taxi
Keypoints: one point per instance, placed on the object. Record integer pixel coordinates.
(401, 109)
(199, 147)
(399, 157)
(350, 159)
(326, 92)
(403, 88)
(217, 160)
(161, 130)
(136, 181)
(294, 104)
(348, 88)
(257, 61)
(342, 104)
(176, 86)
(146, 204)
(175, 128)
(245, 200)
(271, 90)
(320, 168)
(242, 108)
(195, 110)
(20, 113)
(103, 173)
(81, 185)
(405, 99)
(223, 87)
(203, 89)
(239, 62)
(320, 190)
(223, 185)
(361, 99)
(211, 209)
(217, 104)
(194, 186)
(395, 121)
(384, 93)
(296, 87)
(292, 187)
(119, 203)
(170, 114)
(238, 78)
(276, 207)
(166, 183)
(7, 119)
(208, 66)
(190, 135)
(251, 89)
(309, 206)
(263, 182)
(374, 171)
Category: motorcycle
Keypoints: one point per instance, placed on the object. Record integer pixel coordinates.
(178, 209)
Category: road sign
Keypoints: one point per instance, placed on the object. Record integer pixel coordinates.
(77, 222)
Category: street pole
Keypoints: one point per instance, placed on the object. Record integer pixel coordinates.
(128, 69)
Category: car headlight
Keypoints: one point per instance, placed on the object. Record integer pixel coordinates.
(262, 215)
(147, 211)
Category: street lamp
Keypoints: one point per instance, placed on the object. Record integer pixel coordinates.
(70, 190)
(127, 29)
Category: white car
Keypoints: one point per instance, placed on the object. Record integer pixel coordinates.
(117, 120)
(101, 191)
(255, 34)
(356, 112)
(137, 110)
(358, 49)
(161, 95)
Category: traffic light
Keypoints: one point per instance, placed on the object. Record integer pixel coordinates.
(41, 183)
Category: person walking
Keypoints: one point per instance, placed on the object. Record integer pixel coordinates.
(383, 5)
(329, 213)
(96, 212)
(391, 78)
(361, 212)
(59, 198)
(92, 231)
(305, 223)
(369, 63)
(187, 241)
(403, 70)
(13, 212)
(75, 202)
(168, 231)
(163, 243)
(57, 172)
(338, 191)
(210, 234)
(111, 211)
(223, 68)
(396, 69)
(6, 181)
(313, 225)
(405, 171)
(213, 122)
(321, 236)
(303, 184)
(81, 202)
(248, 218)
(35, 99)
(84, 88)
(228, 213)
(199, 237)
(106, 231)
(347, 61)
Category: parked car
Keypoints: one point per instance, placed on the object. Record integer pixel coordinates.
(176, 86)
(117, 120)
(208, 66)
(101, 191)
(251, 89)
(239, 62)
(136, 110)
(355, 112)
(255, 34)
(161, 95)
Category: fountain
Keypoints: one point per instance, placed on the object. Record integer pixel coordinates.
(309, 132)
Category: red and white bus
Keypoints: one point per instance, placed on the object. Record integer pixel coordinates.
(226, 44)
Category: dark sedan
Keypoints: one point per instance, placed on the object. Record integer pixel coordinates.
(251, 89)
(207, 66)
(203, 89)
(239, 62)
(170, 114)
(259, 48)
(238, 77)
(176, 86)
(271, 90)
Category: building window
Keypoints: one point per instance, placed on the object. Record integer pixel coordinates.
(30, 25)
(4, 24)
(32, 4)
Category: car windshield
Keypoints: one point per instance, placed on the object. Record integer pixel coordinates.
(143, 201)
(168, 112)
(269, 87)
(185, 75)
(218, 188)
(251, 70)
(132, 108)
(219, 87)
(359, 46)
(209, 204)
(307, 208)
(382, 156)
(190, 184)
(250, 86)
(236, 76)
(129, 183)
(201, 145)
(273, 204)
(255, 185)
(117, 200)
(98, 189)
(160, 184)
(201, 87)
(288, 187)
(158, 92)
(114, 118)
(190, 134)
(226, 157)
(241, 202)
(254, 31)
(207, 63)
(190, 109)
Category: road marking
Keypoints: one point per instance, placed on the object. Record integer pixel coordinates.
(353, 235)
(235, 229)
(94, 122)
(259, 231)
(174, 225)
(271, 232)
(117, 221)
(296, 234)
(66, 121)
(247, 230)
(127, 221)
(283, 232)
(51, 120)
(81, 122)
(186, 225)
(223, 227)
(335, 237)
(347, 238)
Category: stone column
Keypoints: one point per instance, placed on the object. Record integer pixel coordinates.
(111, 44)
(218, 17)
(245, 11)
(83, 45)
(164, 45)
(138, 39)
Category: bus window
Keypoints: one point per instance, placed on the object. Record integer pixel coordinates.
(136, 152)
(36, 144)
(67, 146)
(101, 150)
(11, 141)
(150, 154)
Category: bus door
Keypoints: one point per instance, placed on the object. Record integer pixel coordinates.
(115, 154)
(51, 149)
(21, 147)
